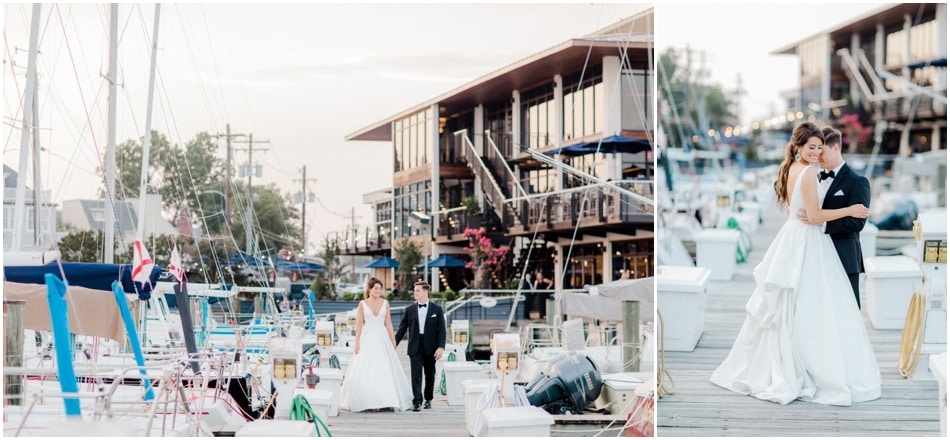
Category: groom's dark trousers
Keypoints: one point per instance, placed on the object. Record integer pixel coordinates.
(848, 188)
(422, 347)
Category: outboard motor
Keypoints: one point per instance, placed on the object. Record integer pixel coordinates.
(566, 384)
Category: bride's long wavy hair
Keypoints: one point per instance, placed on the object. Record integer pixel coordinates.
(370, 283)
(800, 136)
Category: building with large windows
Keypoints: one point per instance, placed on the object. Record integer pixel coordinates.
(885, 70)
(552, 155)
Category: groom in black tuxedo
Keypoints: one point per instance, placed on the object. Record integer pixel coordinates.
(423, 324)
(839, 187)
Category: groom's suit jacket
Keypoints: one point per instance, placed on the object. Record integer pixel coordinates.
(434, 336)
(847, 188)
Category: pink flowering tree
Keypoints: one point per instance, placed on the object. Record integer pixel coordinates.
(485, 256)
(853, 132)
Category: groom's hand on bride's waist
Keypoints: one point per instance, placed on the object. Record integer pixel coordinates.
(802, 216)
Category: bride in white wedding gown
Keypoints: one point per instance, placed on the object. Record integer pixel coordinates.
(375, 378)
(803, 336)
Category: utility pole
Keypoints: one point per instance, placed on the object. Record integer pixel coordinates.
(353, 218)
(303, 218)
(249, 223)
(228, 190)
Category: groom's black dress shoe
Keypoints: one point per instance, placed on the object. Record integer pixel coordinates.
(428, 404)
(416, 407)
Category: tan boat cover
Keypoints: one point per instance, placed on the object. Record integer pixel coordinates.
(607, 304)
(91, 312)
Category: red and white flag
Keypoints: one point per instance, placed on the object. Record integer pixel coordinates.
(174, 265)
(141, 263)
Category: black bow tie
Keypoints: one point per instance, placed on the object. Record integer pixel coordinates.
(422, 305)
(826, 175)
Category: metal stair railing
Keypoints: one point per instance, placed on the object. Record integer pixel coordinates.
(498, 161)
(494, 194)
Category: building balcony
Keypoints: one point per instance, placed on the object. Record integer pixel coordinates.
(368, 242)
(598, 206)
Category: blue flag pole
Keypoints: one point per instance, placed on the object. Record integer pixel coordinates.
(55, 296)
(133, 337)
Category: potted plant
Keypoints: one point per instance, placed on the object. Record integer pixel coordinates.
(472, 211)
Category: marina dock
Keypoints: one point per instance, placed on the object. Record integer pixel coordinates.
(696, 407)
(443, 420)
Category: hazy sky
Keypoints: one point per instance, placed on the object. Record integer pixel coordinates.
(738, 39)
(301, 76)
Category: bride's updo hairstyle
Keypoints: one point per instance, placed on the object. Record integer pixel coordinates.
(372, 282)
(800, 136)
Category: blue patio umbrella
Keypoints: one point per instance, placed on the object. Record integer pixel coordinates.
(609, 144)
(444, 261)
(384, 262)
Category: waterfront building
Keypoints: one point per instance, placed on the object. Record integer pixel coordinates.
(879, 76)
(551, 154)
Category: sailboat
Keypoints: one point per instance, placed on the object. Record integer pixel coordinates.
(86, 378)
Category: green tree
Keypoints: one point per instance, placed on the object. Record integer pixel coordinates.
(275, 219)
(188, 177)
(82, 246)
(325, 283)
(194, 178)
(128, 167)
(409, 255)
(692, 100)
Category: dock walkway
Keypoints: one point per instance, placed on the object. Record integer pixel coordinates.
(442, 420)
(907, 407)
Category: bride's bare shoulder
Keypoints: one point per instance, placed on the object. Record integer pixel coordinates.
(797, 170)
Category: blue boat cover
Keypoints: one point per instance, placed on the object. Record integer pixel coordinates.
(97, 276)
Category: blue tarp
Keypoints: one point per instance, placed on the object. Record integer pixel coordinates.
(241, 258)
(939, 62)
(97, 276)
(299, 266)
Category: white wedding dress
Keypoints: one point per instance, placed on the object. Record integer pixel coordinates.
(803, 336)
(375, 377)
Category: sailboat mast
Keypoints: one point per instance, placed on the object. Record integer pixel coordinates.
(147, 141)
(109, 256)
(28, 104)
(38, 202)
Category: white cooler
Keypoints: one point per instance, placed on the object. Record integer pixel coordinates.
(869, 240)
(681, 301)
(455, 373)
(319, 401)
(617, 394)
(889, 284)
(473, 389)
(938, 366)
(716, 251)
(518, 421)
(330, 380)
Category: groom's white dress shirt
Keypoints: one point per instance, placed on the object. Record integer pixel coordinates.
(422, 316)
(823, 186)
